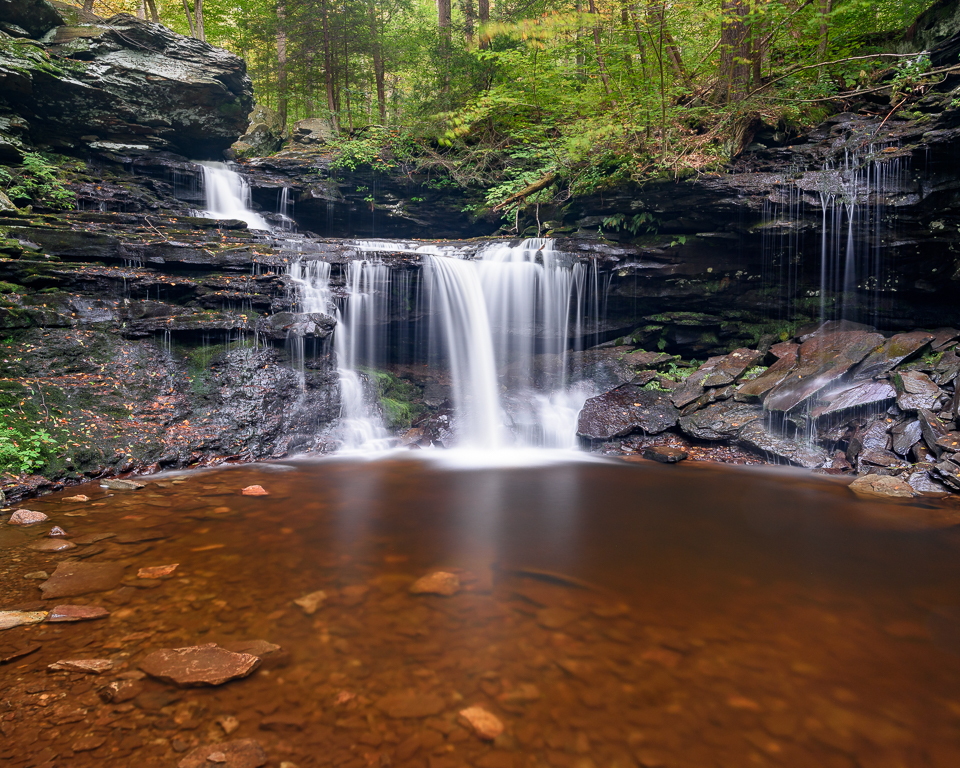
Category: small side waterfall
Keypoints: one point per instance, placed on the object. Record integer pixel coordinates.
(227, 196)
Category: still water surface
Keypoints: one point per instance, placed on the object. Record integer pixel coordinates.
(611, 616)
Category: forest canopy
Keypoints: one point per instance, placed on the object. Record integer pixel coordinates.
(509, 94)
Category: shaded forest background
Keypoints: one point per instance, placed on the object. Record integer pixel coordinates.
(525, 97)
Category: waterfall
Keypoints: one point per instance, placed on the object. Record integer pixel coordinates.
(227, 196)
(285, 210)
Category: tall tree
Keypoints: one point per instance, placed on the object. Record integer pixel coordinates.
(282, 96)
(735, 50)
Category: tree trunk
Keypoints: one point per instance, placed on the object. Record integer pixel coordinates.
(328, 69)
(152, 8)
(734, 51)
(756, 34)
(198, 20)
(445, 22)
(141, 10)
(468, 21)
(346, 83)
(604, 78)
(88, 6)
(186, 10)
(282, 102)
(826, 7)
(659, 29)
(378, 72)
(483, 14)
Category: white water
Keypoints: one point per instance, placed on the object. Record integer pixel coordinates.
(227, 196)
(498, 329)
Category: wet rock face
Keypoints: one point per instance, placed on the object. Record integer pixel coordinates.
(127, 85)
(34, 17)
(624, 410)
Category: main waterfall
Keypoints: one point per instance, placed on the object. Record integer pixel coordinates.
(227, 196)
(495, 327)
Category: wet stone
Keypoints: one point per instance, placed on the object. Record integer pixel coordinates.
(753, 390)
(411, 704)
(77, 498)
(11, 619)
(821, 360)
(856, 396)
(626, 409)
(15, 651)
(52, 545)
(882, 485)
(720, 421)
(949, 442)
(56, 531)
(949, 472)
(894, 350)
(922, 482)
(80, 578)
(692, 387)
(63, 613)
(933, 429)
(664, 454)
(915, 391)
(437, 583)
(732, 366)
(199, 665)
(27, 517)
(484, 724)
(255, 490)
(91, 538)
(120, 691)
(796, 451)
(312, 602)
(879, 457)
(90, 666)
(157, 571)
(37, 575)
(905, 435)
(121, 485)
(243, 753)
(943, 338)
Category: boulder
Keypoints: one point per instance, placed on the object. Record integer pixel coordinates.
(822, 359)
(624, 410)
(720, 421)
(265, 134)
(313, 130)
(882, 485)
(756, 436)
(915, 391)
(33, 17)
(894, 350)
(126, 86)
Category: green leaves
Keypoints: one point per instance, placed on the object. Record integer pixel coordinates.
(36, 181)
(23, 449)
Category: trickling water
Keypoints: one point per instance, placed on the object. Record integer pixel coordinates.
(285, 210)
(227, 196)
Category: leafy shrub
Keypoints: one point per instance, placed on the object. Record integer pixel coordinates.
(36, 181)
(22, 449)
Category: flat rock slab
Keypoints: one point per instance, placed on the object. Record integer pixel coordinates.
(750, 391)
(243, 753)
(906, 434)
(720, 421)
(311, 602)
(644, 359)
(27, 517)
(157, 571)
(11, 619)
(756, 436)
(915, 391)
(77, 613)
(88, 666)
(624, 410)
(732, 366)
(692, 387)
(821, 360)
(73, 579)
(882, 485)
(943, 338)
(52, 545)
(664, 454)
(854, 396)
(411, 704)
(198, 665)
(437, 583)
(121, 485)
(16, 651)
(894, 351)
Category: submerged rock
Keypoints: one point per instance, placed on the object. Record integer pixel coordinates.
(624, 410)
(242, 753)
(60, 613)
(411, 704)
(437, 583)
(485, 724)
(81, 578)
(199, 665)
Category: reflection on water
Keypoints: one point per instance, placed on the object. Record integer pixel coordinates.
(610, 615)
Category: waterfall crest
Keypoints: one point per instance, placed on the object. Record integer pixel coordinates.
(227, 196)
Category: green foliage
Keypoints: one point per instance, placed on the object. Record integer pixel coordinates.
(36, 181)
(378, 147)
(23, 448)
(398, 399)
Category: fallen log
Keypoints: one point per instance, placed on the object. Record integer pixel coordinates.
(545, 181)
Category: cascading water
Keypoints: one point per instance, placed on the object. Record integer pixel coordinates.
(227, 196)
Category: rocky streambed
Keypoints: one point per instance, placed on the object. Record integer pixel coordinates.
(403, 613)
